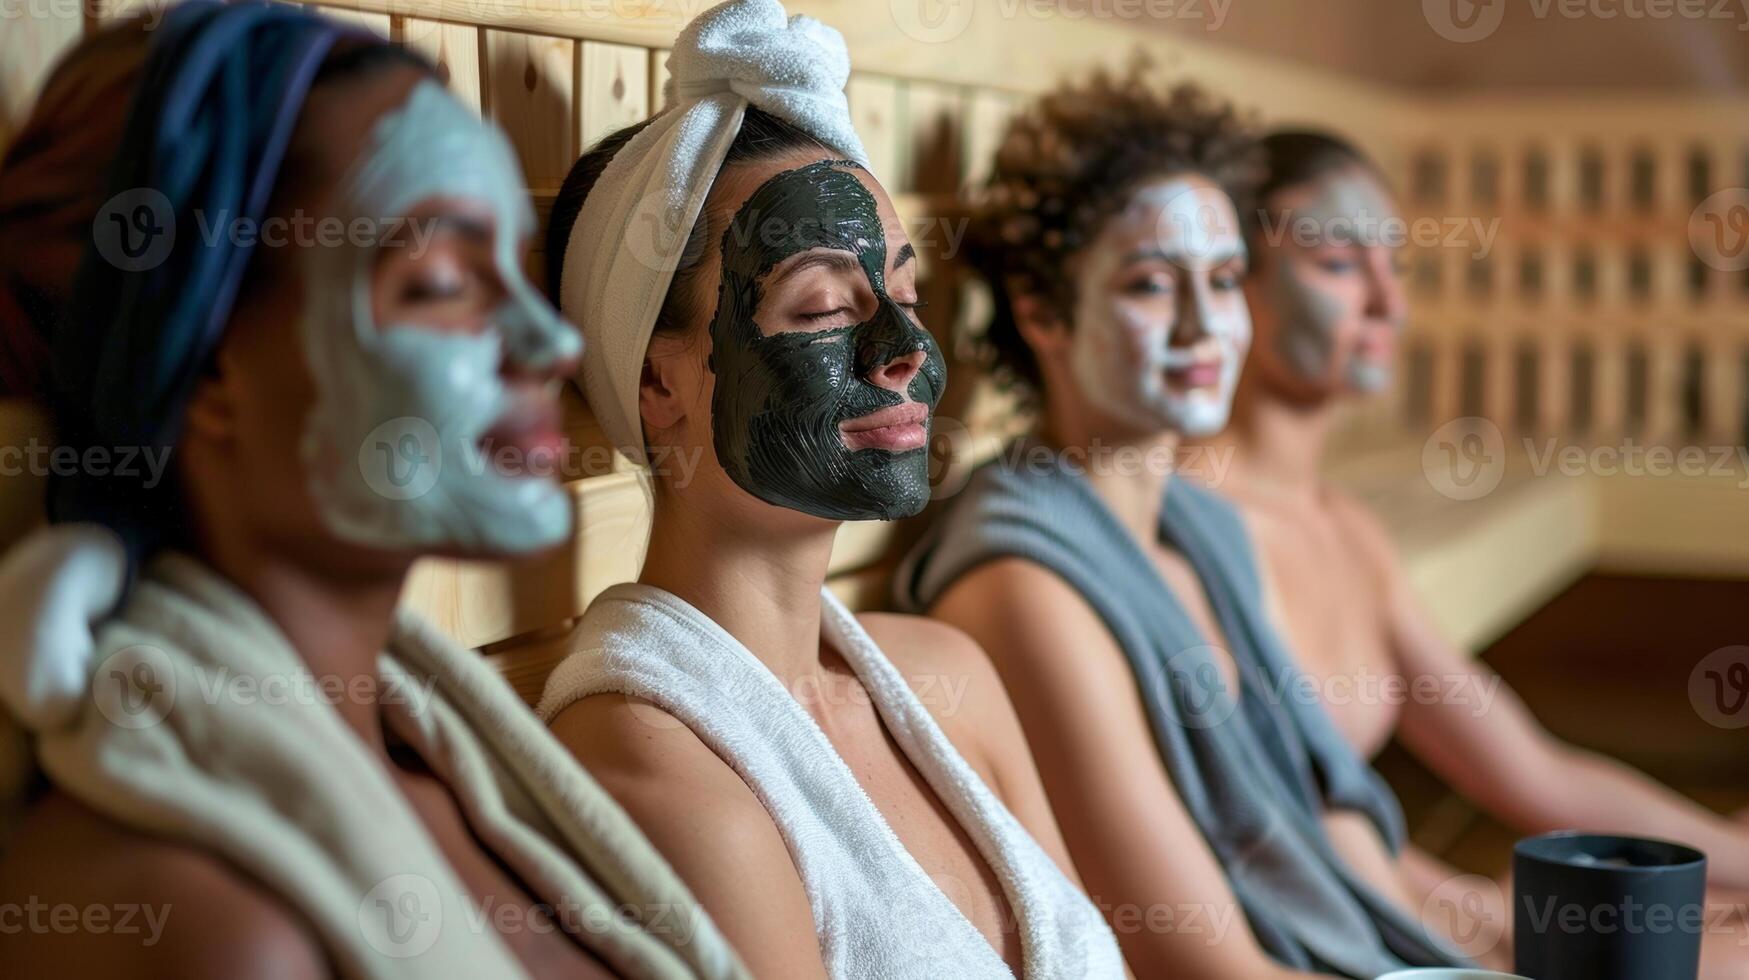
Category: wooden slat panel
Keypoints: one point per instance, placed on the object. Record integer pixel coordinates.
(29, 46)
(615, 89)
(658, 79)
(454, 48)
(374, 22)
(932, 137)
(529, 86)
(874, 109)
(109, 11)
(483, 603)
(987, 117)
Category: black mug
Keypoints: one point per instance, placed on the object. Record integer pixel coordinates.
(1598, 907)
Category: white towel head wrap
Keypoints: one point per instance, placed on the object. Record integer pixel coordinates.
(629, 236)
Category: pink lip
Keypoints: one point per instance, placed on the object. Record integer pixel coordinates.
(1205, 374)
(531, 430)
(896, 429)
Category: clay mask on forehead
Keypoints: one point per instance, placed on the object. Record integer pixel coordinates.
(1121, 353)
(780, 398)
(392, 443)
(1349, 208)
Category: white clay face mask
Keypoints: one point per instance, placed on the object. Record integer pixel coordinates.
(392, 444)
(1129, 358)
(1349, 206)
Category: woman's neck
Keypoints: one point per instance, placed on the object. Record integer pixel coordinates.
(337, 619)
(1278, 444)
(758, 582)
(1129, 470)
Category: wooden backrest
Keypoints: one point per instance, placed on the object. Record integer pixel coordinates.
(932, 91)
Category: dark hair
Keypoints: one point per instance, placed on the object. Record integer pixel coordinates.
(762, 137)
(353, 61)
(1292, 157)
(1067, 164)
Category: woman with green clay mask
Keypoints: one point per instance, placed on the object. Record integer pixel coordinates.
(832, 810)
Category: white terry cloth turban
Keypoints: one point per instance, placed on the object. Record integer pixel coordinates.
(629, 236)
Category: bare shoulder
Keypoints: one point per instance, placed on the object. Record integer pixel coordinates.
(648, 758)
(1030, 606)
(705, 820)
(920, 645)
(96, 898)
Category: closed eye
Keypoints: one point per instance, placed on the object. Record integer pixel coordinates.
(828, 314)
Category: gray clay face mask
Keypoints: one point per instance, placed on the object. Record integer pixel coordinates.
(780, 399)
(1352, 209)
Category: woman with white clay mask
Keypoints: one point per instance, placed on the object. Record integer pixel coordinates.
(1329, 305)
(755, 296)
(1117, 599)
(229, 722)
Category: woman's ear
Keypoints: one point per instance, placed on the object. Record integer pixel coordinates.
(1040, 324)
(212, 412)
(659, 401)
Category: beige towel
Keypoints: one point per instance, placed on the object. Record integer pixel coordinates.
(200, 722)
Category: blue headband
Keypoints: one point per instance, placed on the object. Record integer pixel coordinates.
(219, 95)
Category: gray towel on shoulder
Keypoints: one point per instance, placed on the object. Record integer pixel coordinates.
(1255, 772)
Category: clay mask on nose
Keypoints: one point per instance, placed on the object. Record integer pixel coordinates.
(392, 442)
(780, 398)
(1349, 208)
(1121, 352)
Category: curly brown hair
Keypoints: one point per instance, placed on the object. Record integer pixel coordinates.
(1070, 161)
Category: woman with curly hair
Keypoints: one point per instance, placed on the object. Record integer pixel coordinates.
(1121, 605)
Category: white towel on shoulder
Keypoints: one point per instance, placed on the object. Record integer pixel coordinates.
(189, 715)
(876, 912)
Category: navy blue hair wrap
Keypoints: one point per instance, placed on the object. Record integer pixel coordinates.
(218, 98)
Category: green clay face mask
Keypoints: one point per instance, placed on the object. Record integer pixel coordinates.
(392, 444)
(795, 412)
(1350, 208)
